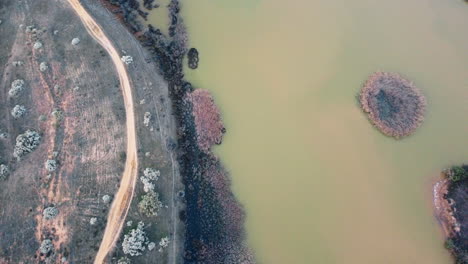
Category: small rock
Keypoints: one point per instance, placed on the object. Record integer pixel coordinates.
(43, 67)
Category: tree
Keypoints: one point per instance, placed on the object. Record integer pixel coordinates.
(17, 87)
(26, 143)
(457, 173)
(18, 111)
(134, 243)
(150, 204)
(149, 175)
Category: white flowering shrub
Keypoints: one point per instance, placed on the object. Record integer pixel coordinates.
(151, 246)
(106, 198)
(43, 66)
(127, 59)
(18, 111)
(46, 246)
(17, 87)
(26, 143)
(93, 221)
(75, 41)
(37, 45)
(146, 118)
(4, 171)
(163, 243)
(150, 204)
(134, 243)
(149, 176)
(50, 213)
(51, 165)
(17, 63)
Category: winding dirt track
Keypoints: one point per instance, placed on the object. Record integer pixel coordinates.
(123, 198)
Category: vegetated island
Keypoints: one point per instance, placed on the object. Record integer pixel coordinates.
(393, 104)
(451, 205)
(214, 220)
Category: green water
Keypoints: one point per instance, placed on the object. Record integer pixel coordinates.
(319, 183)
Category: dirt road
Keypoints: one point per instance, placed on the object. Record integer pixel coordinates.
(123, 197)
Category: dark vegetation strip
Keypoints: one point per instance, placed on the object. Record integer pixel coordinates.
(457, 196)
(213, 218)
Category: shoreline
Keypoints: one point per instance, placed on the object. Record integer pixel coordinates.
(213, 217)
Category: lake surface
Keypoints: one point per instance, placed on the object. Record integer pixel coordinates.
(318, 182)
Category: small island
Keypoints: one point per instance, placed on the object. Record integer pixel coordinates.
(393, 104)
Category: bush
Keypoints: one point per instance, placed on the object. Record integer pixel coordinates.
(37, 45)
(134, 243)
(18, 111)
(93, 221)
(50, 213)
(127, 59)
(106, 198)
(46, 246)
(150, 204)
(146, 118)
(457, 173)
(43, 66)
(51, 165)
(4, 171)
(149, 175)
(26, 143)
(17, 87)
(75, 41)
(124, 260)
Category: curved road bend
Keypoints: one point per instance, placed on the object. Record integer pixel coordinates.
(123, 198)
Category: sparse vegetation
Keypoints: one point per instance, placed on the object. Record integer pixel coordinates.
(124, 260)
(134, 243)
(26, 143)
(393, 104)
(17, 87)
(50, 213)
(150, 204)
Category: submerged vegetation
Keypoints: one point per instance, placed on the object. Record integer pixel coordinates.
(394, 105)
(457, 197)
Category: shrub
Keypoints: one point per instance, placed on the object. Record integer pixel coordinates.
(151, 246)
(51, 165)
(106, 198)
(37, 45)
(150, 204)
(457, 173)
(50, 213)
(46, 246)
(75, 41)
(17, 87)
(18, 111)
(134, 243)
(127, 59)
(149, 175)
(146, 118)
(26, 143)
(163, 243)
(393, 104)
(43, 66)
(93, 221)
(4, 171)
(124, 260)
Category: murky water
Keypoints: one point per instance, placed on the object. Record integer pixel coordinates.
(319, 183)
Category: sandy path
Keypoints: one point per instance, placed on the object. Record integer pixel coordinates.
(123, 198)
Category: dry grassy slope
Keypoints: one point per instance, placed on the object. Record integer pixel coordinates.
(89, 139)
(149, 85)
